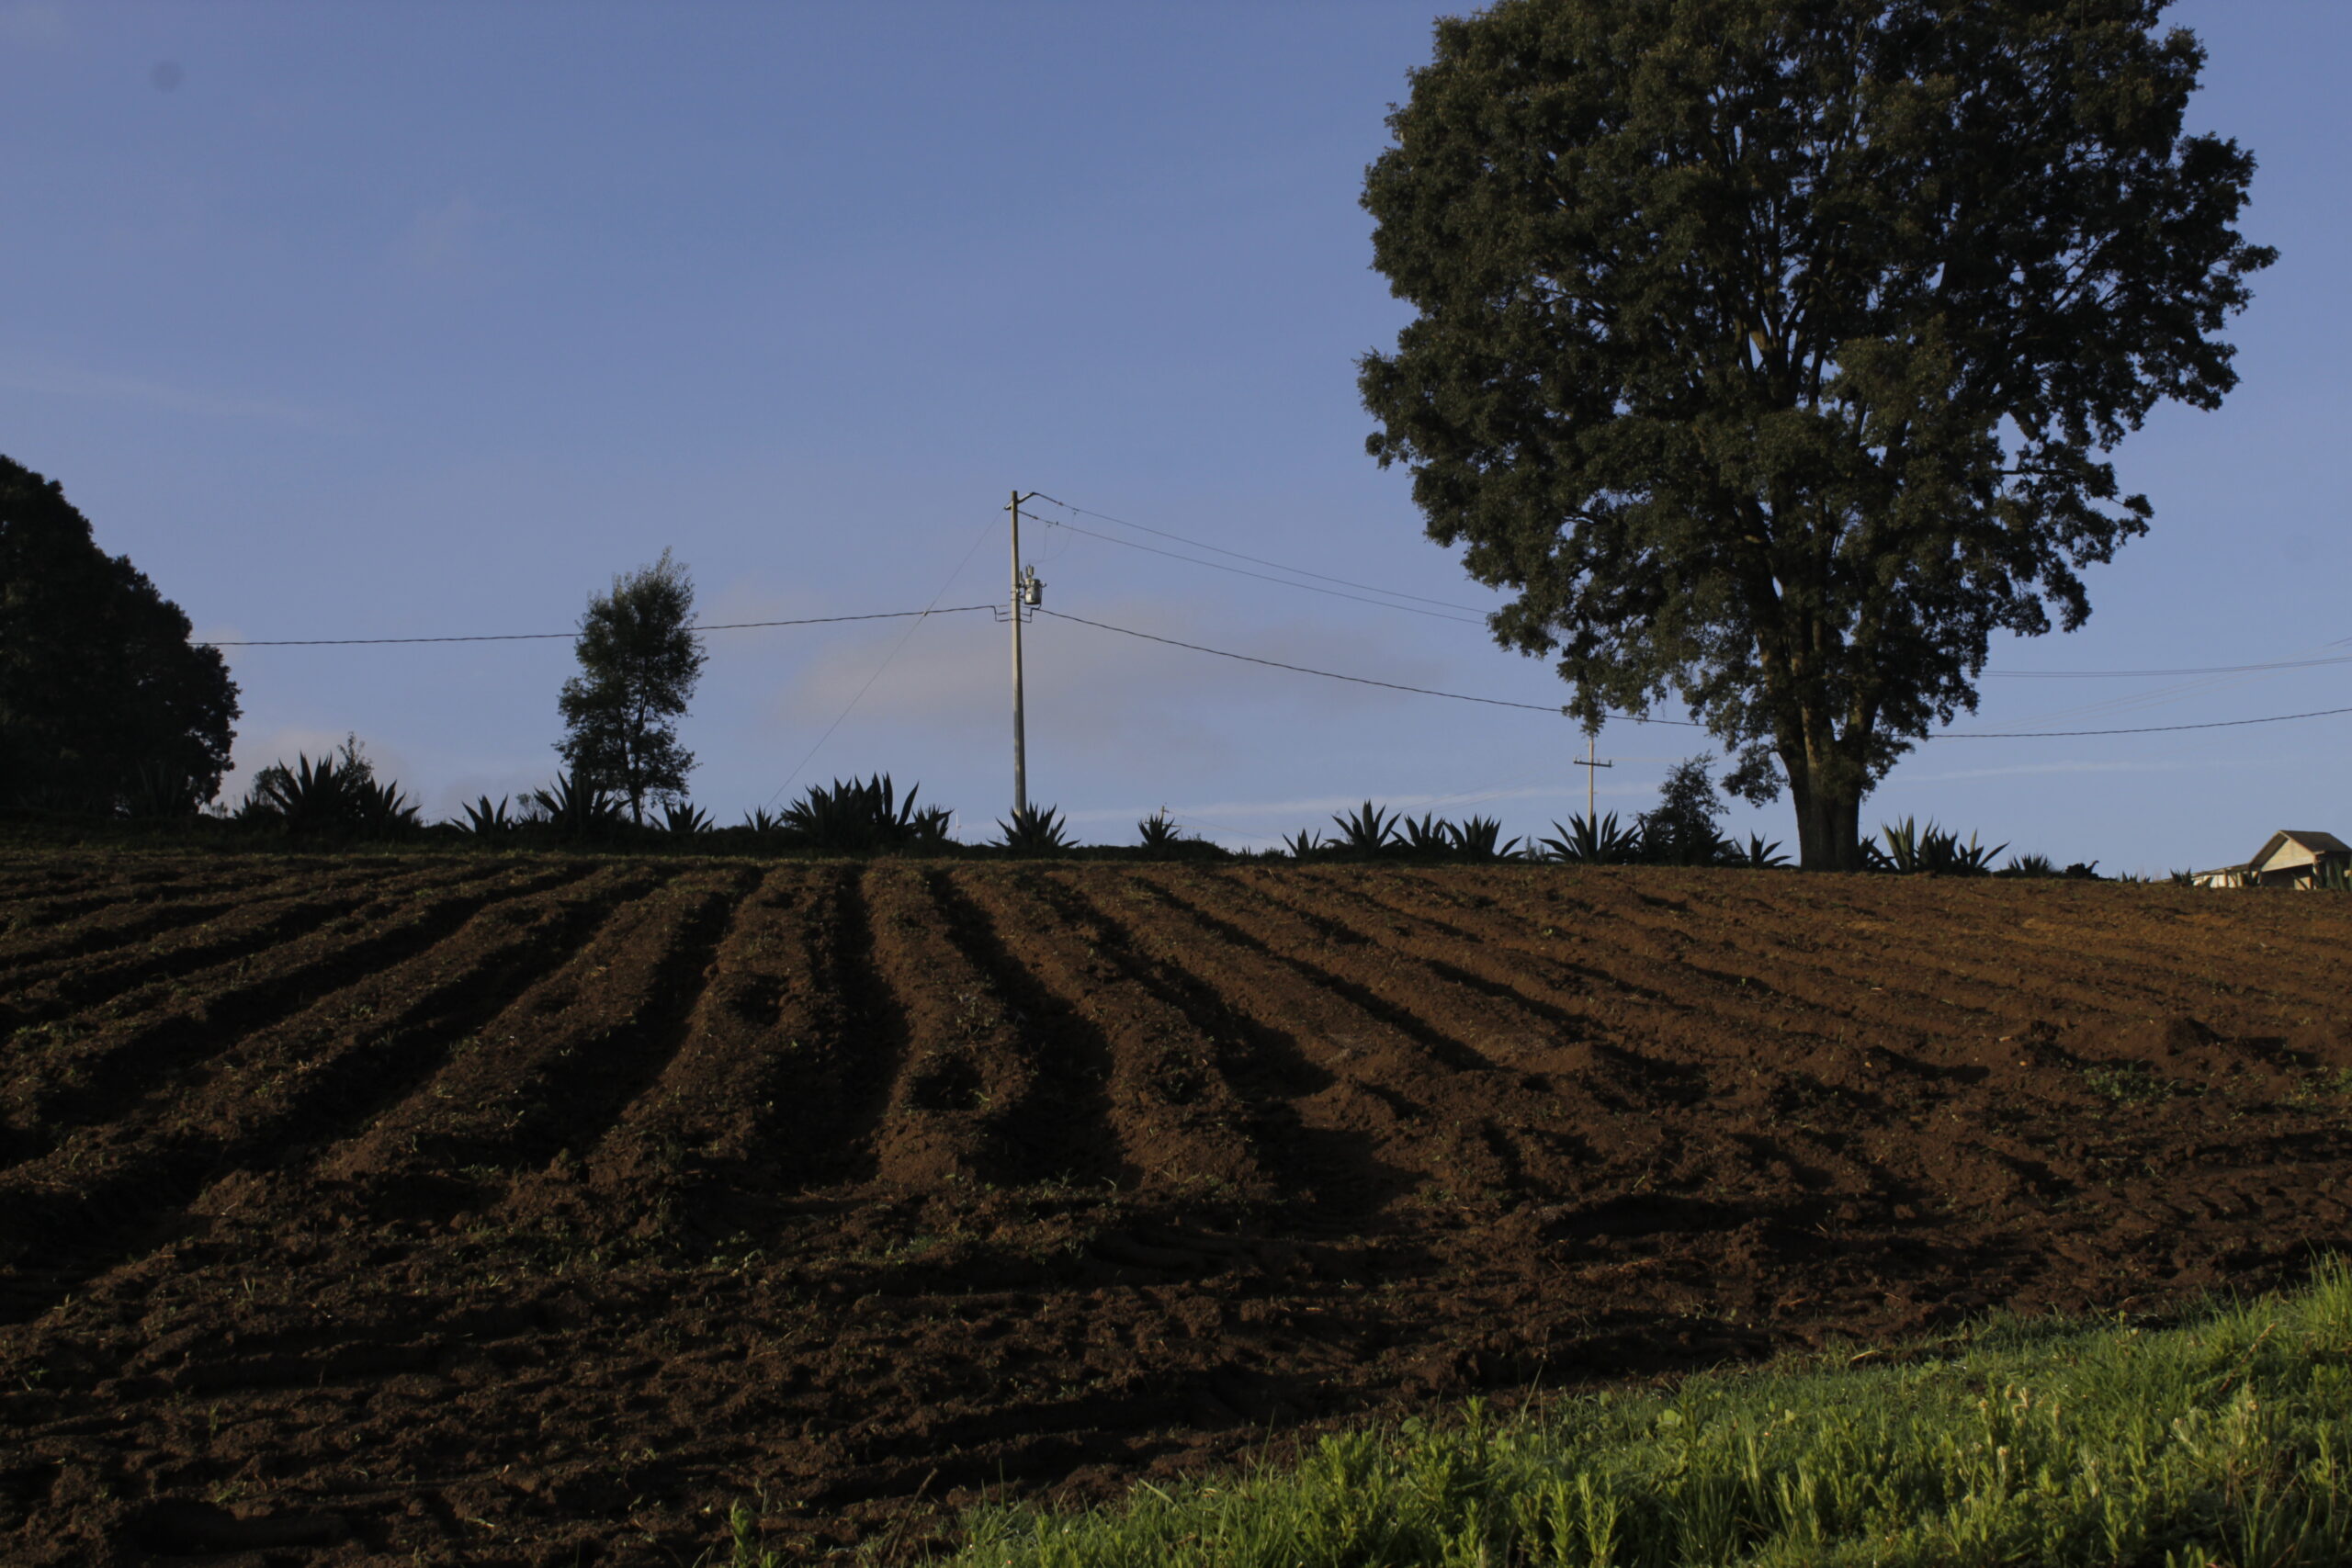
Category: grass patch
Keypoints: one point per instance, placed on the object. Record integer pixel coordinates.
(2129, 1083)
(2220, 1438)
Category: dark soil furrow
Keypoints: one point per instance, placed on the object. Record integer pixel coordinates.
(962, 1058)
(1531, 1008)
(124, 981)
(1061, 1126)
(751, 1095)
(1384, 1086)
(1851, 989)
(1753, 987)
(117, 918)
(1334, 959)
(1176, 1116)
(76, 1080)
(101, 1196)
(553, 1070)
(1258, 1069)
(1647, 938)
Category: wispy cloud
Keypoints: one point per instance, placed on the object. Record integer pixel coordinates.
(63, 381)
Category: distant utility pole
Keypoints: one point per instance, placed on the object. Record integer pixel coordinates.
(1026, 591)
(1589, 765)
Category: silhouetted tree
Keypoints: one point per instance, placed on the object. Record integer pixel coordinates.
(1684, 826)
(105, 705)
(1768, 347)
(638, 662)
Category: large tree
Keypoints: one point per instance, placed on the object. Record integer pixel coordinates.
(638, 662)
(1770, 348)
(106, 707)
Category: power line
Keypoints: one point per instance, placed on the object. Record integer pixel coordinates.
(543, 636)
(2207, 670)
(1679, 722)
(1335, 675)
(2143, 730)
(1237, 571)
(1256, 560)
(979, 536)
(1394, 593)
(1328, 675)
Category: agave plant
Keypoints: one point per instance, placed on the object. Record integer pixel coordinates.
(577, 807)
(1430, 836)
(163, 789)
(2028, 865)
(1913, 850)
(1481, 838)
(685, 819)
(1759, 855)
(338, 795)
(1370, 831)
(860, 816)
(484, 820)
(1902, 852)
(1034, 830)
(1160, 834)
(1305, 844)
(1587, 842)
(763, 822)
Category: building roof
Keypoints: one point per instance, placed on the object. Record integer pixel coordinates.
(2311, 842)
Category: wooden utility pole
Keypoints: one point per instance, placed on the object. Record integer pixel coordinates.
(1020, 725)
(1589, 765)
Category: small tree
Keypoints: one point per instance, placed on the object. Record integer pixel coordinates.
(638, 662)
(1684, 828)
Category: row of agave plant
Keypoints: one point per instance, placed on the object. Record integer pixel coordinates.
(339, 796)
(1905, 848)
(1373, 832)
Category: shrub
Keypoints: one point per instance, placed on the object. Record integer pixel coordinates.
(1681, 829)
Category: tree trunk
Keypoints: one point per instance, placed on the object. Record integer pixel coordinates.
(1828, 825)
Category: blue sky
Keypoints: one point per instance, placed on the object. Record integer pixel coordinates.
(384, 320)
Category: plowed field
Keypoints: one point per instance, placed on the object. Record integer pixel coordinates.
(538, 1211)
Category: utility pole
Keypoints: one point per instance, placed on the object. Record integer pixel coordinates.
(1589, 765)
(1023, 595)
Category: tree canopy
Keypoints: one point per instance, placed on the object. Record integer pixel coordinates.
(1770, 348)
(105, 705)
(639, 659)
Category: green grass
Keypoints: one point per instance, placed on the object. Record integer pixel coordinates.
(2130, 1083)
(2220, 1438)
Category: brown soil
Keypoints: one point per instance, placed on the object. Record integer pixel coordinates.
(540, 1211)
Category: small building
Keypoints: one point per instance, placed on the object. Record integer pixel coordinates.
(2292, 858)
